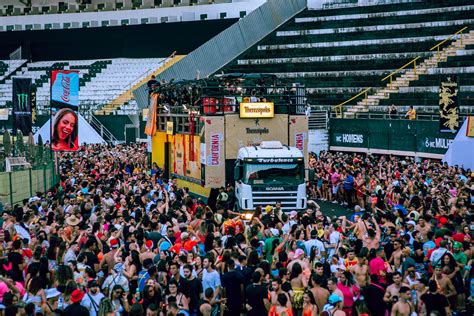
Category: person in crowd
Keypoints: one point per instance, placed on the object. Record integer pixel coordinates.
(392, 111)
(152, 84)
(411, 113)
(114, 237)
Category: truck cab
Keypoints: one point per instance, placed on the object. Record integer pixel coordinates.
(270, 173)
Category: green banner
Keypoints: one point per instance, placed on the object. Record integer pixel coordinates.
(435, 145)
(356, 139)
(394, 135)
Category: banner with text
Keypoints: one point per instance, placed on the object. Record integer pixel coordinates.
(250, 132)
(21, 105)
(64, 109)
(299, 130)
(212, 152)
(448, 105)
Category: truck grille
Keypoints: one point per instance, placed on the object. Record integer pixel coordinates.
(263, 197)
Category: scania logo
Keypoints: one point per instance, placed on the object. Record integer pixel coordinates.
(275, 188)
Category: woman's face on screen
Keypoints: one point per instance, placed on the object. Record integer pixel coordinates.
(66, 126)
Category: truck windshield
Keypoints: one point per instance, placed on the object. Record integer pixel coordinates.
(278, 174)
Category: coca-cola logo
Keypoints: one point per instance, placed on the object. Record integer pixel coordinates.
(66, 85)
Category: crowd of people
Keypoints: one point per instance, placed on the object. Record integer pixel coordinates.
(115, 237)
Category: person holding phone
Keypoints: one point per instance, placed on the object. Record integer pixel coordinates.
(119, 300)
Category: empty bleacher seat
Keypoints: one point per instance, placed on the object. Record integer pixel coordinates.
(343, 49)
(101, 81)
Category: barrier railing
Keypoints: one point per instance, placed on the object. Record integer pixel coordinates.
(338, 109)
(165, 61)
(413, 61)
(437, 46)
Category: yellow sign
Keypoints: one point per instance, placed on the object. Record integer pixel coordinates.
(470, 126)
(257, 110)
(169, 128)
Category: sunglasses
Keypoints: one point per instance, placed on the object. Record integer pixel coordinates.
(119, 292)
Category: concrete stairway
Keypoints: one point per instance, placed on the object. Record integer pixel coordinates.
(411, 75)
(128, 95)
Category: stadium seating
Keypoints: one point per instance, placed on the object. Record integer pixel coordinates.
(341, 51)
(9, 66)
(16, 7)
(100, 80)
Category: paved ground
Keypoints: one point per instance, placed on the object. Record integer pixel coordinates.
(330, 209)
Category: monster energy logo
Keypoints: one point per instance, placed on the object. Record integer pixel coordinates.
(22, 102)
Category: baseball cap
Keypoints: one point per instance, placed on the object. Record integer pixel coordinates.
(274, 232)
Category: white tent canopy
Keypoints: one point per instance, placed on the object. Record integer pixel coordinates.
(461, 150)
(87, 134)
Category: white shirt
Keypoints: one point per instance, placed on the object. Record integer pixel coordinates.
(92, 302)
(114, 279)
(70, 256)
(314, 243)
(210, 280)
(334, 238)
(287, 227)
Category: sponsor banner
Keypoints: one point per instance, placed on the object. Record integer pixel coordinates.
(349, 139)
(21, 110)
(33, 104)
(150, 127)
(299, 141)
(470, 126)
(65, 89)
(252, 132)
(64, 110)
(448, 105)
(257, 110)
(213, 161)
(214, 158)
(434, 144)
(183, 162)
(298, 125)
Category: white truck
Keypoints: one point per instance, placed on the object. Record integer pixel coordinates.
(270, 173)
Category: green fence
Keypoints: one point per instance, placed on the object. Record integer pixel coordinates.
(421, 138)
(18, 185)
(21, 183)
